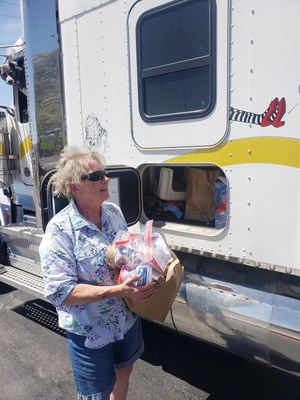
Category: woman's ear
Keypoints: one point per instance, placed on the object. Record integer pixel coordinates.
(74, 189)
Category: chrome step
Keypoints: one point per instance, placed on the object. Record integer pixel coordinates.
(23, 242)
(23, 231)
(24, 270)
(22, 280)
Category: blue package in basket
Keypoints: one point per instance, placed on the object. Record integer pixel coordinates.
(145, 273)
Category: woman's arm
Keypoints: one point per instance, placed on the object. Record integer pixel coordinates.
(84, 293)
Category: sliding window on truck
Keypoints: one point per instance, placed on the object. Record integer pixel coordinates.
(185, 195)
(176, 61)
(178, 72)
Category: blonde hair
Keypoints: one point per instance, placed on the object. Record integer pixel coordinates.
(71, 166)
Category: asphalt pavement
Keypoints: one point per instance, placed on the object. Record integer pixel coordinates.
(34, 363)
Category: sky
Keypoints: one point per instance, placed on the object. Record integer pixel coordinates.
(10, 31)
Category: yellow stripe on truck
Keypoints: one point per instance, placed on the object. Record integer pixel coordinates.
(2, 149)
(257, 150)
(24, 147)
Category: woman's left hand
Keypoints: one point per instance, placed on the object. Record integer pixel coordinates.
(138, 293)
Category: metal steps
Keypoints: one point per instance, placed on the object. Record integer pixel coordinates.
(22, 280)
(24, 269)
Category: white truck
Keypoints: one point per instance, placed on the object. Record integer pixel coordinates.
(189, 101)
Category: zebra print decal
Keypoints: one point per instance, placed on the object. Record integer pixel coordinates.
(272, 116)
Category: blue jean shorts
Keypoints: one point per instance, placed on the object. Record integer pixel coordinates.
(94, 369)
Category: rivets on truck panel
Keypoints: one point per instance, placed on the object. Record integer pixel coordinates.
(288, 270)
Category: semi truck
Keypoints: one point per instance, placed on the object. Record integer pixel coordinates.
(195, 106)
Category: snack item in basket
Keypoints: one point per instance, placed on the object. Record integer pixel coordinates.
(145, 271)
(128, 271)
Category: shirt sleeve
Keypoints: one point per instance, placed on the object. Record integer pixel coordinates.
(58, 265)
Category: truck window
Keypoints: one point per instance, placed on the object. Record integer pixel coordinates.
(21, 100)
(187, 195)
(176, 61)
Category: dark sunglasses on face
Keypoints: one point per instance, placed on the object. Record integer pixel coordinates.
(95, 176)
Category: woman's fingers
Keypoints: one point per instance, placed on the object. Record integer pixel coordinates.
(139, 292)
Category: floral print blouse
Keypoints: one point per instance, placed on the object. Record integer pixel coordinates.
(73, 250)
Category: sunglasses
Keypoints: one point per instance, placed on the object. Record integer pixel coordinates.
(95, 176)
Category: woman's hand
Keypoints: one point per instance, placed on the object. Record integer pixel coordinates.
(85, 293)
(138, 293)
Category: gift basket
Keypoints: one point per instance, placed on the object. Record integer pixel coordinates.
(147, 255)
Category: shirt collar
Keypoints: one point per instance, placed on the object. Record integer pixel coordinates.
(78, 221)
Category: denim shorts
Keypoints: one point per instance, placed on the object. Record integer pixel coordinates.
(94, 369)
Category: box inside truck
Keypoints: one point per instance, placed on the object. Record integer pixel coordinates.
(186, 195)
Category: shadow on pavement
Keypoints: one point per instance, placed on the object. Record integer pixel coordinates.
(42, 313)
(213, 370)
(4, 289)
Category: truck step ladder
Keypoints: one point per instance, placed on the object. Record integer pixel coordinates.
(24, 268)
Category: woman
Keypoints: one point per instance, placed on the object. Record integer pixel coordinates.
(104, 336)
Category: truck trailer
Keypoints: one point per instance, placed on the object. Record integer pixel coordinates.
(195, 106)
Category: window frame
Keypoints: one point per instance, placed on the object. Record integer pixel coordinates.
(183, 65)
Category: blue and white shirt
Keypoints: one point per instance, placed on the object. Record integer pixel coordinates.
(73, 251)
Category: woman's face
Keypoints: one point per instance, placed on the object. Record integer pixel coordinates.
(92, 192)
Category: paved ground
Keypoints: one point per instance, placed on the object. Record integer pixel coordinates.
(34, 363)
